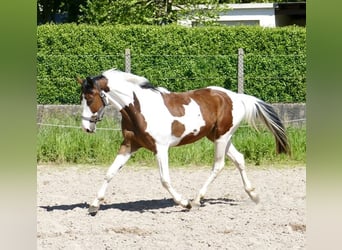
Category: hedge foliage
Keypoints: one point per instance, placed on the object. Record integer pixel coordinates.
(174, 57)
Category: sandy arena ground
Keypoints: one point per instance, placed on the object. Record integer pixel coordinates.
(139, 214)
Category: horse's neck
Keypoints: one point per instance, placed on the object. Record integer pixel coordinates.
(125, 87)
(121, 97)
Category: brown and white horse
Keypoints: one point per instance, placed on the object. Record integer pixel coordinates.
(157, 119)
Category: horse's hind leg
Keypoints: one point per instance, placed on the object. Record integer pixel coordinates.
(220, 150)
(239, 161)
(120, 160)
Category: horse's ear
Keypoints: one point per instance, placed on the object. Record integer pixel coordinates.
(79, 80)
(90, 81)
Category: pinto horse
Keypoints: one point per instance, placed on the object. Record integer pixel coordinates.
(156, 119)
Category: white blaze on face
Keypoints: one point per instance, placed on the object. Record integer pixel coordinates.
(86, 124)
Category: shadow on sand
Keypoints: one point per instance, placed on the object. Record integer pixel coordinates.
(139, 206)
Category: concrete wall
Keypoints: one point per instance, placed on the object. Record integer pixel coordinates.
(261, 14)
(291, 114)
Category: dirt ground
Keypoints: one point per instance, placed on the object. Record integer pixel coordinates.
(139, 214)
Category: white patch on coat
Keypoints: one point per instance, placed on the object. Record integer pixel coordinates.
(159, 119)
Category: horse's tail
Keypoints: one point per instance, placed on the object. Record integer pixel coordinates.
(258, 110)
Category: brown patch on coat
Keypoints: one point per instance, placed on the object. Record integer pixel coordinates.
(177, 128)
(215, 106)
(175, 101)
(134, 129)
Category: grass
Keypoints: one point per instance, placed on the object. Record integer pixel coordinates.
(61, 145)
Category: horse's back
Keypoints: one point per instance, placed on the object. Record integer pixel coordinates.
(215, 107)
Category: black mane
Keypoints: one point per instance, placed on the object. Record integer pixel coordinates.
(148, 85)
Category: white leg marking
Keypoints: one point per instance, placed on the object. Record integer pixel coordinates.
(162, 159)
(119, 161)
(239, 161)
(220, 151)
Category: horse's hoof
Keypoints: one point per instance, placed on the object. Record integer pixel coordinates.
(254, 197)
(92, 210)
(189, 206)
(186, 204)
(195, 204)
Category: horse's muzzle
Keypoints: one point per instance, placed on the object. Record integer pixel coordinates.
(88, 130)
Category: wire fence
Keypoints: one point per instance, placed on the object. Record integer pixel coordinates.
(128, 62)
(271, 77)
(74, 127)
(303, 120)
(68, 116)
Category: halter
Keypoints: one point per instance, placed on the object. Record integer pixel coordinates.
(99, 114)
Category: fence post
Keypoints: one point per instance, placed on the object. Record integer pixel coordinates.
(128, 60)
(40, 113)
(240, 71)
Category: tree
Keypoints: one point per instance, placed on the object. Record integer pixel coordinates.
(116, 12)
(158, 12)
(48, 10)
(260, 1)
(133, 11)
(200, 12)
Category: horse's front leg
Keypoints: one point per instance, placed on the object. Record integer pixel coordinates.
(122, 157)
(162, 159)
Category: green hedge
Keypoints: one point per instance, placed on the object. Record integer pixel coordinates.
(174, 57)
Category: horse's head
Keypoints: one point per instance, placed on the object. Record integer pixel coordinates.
(93, 101)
